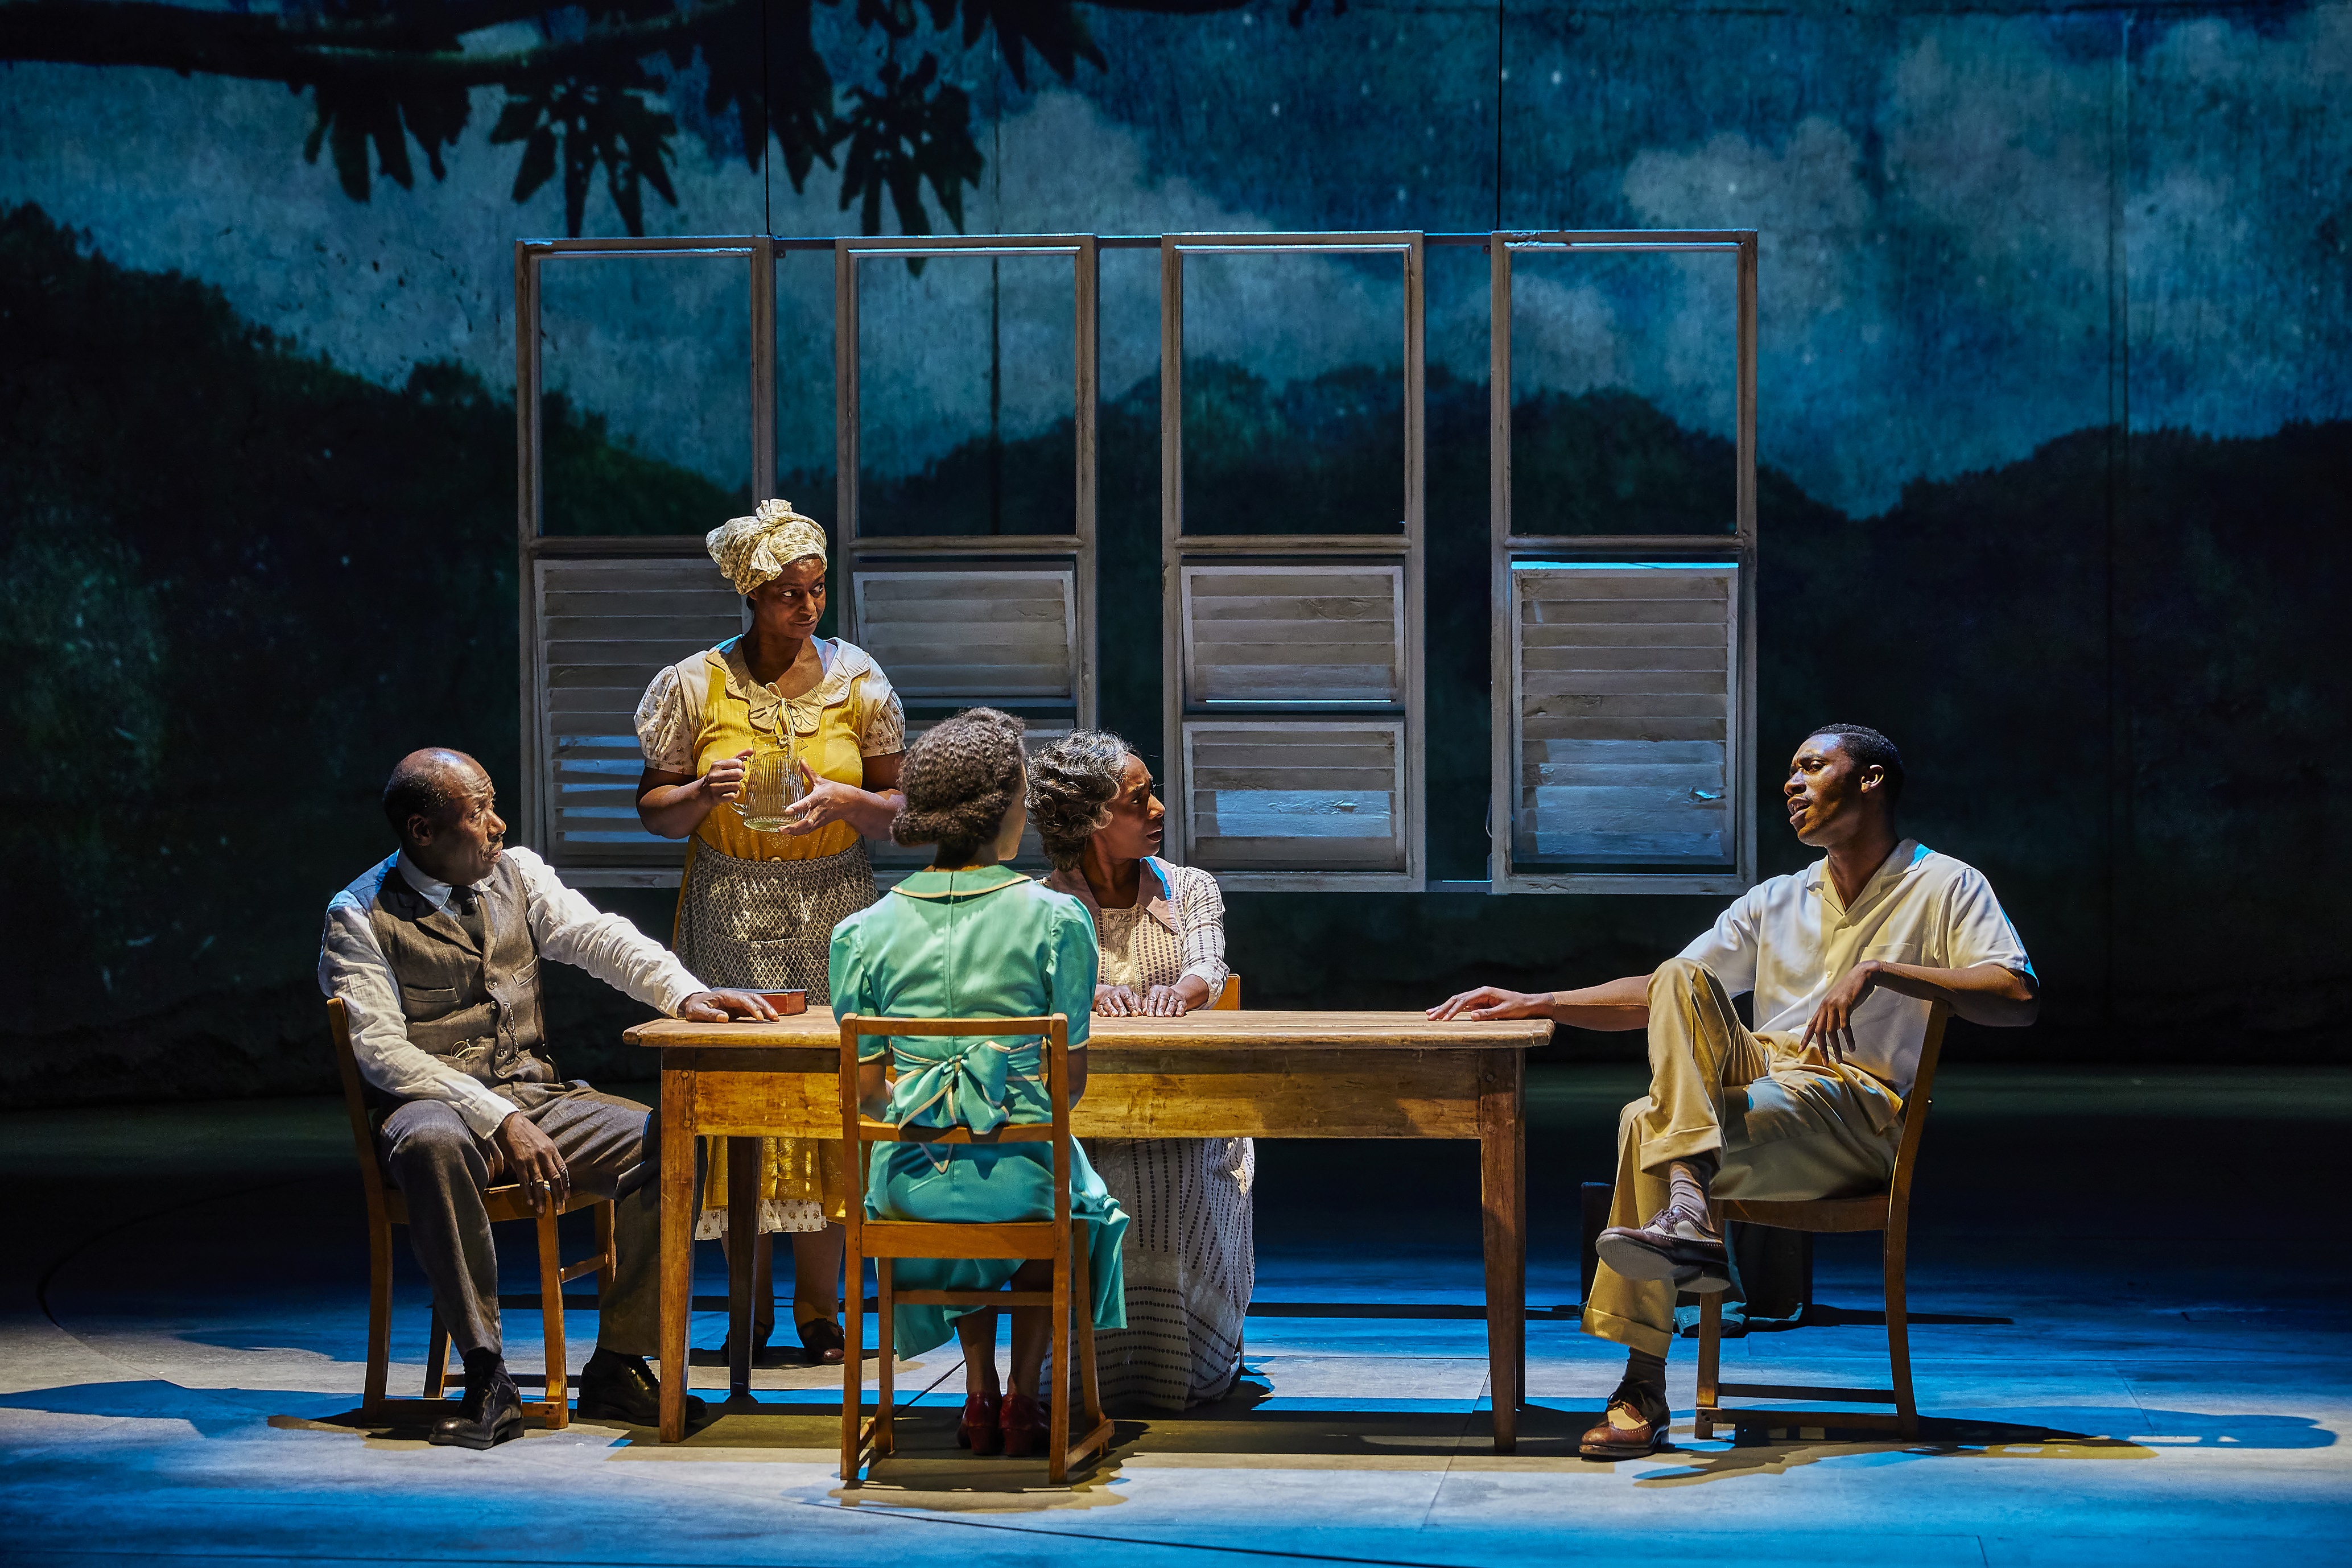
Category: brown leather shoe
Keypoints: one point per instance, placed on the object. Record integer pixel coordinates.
(1674, 1245)
(1633, 1429)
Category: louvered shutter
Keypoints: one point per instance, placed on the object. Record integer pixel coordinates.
(971, 638)
(1267, 635)
(1625, 703)
(1300, 793)
(605, 628)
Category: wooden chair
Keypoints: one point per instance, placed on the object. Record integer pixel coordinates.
(886, 1241)
(386, 1207)
(1229, 1000)
(1889, 1212)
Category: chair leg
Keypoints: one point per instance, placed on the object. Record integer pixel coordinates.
(887, 1329)
(853, 1372)
(1089, 1385)
(1710, 1346)
(1898, 1331)
(437, 1360)
(1058, 1420)
(608, 1258)
(550, 1311)
(379, 1343)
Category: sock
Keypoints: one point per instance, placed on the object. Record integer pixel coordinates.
(1686, 1184)
(1644, 1387)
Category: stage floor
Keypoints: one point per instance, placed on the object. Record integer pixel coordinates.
(2133, 1346)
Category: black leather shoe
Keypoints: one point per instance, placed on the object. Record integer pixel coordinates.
(622, 1389)
(490, 1414)
(822, 1345)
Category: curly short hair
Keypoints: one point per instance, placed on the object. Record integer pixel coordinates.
(959, 780)
(1868, 749)
(1071, 785)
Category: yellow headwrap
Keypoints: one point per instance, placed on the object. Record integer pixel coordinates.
(751, 550)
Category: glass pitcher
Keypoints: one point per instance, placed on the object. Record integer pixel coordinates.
(771, 782)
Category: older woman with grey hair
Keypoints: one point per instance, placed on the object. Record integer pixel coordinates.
(1189, 1252)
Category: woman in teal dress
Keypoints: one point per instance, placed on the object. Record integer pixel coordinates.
(971, 937)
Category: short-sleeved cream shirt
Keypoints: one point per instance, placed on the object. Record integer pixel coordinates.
(1788, 940)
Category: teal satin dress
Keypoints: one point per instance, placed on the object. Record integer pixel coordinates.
(984, 943)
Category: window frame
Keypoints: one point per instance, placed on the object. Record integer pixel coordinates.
(532, 816)
(1076, 552)
(1508, 549)
(1406, 549)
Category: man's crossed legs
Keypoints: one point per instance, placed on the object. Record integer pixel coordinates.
(1730, 1114)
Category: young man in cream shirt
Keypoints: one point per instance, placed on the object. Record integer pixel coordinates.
(1845, 959)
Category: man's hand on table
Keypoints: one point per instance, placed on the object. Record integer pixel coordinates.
(1491, 1001)
(531, 1157)
(718, 1006)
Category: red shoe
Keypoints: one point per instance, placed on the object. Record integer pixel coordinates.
(1024, 1421)
(979, 1430)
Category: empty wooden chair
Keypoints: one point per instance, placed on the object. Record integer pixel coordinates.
(888, 1240)
(1889, 1212)
(386, 1207)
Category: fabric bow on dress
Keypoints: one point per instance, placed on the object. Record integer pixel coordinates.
(966, 1089)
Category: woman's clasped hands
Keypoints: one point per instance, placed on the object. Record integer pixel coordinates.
(1157, 1001)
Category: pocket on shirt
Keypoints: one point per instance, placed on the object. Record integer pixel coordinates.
(1894, 952)
(428, 998)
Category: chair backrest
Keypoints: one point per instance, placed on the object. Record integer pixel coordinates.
(857, 1129)
(1230, 999)
(339, 1028)
(1914, 1108)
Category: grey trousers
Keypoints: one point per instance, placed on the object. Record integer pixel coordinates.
(612, 1148)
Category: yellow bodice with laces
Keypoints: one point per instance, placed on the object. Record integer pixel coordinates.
(740, 715)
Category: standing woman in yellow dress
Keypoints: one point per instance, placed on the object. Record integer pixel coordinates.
(757, 908)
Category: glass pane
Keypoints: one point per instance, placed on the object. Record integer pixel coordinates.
(1625, 381)
(966, 381)
(1294, 394)
(646, 404)
(806, 444)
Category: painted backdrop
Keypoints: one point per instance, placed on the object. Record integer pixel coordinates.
(2054, 412)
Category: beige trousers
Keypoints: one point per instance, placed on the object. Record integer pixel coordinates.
(1784, 1123)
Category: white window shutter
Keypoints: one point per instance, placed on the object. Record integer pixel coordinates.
(1268, 634)
(605, 628)
(1626, 710)
(971, 638)
(1316, 795)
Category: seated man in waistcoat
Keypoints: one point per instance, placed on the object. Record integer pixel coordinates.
(435, 953)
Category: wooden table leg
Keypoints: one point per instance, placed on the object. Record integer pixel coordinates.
(1503, 1193)
(677, 1244)
(743, 1258)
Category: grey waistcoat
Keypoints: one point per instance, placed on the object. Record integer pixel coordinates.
(479, 1010)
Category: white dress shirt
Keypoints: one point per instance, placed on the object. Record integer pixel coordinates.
(1788, 940)
(564, 926)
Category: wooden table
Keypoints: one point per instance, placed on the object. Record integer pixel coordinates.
(1209, 1075)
